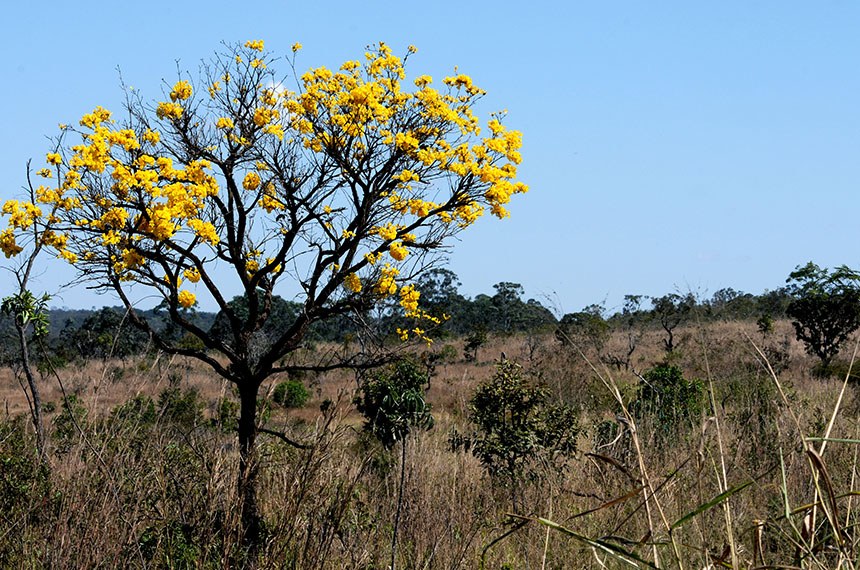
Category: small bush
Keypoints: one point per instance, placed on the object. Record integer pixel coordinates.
(392, 402)
(291, 394)
(228, 415)
(519, 429)
(139, 410)
(182, 408)
(666, 398)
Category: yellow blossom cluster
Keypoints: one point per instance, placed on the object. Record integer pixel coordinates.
(409, 296)
(22, 215)
(186, 299)
(251, 181)
(192, 274)
(387, 286)
(352, 282)
(397, 251)
(225, 123)
(167, 110)
(404, 159)
(7, 243)
(181, 91)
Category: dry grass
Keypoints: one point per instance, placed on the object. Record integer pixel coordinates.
(133, 494)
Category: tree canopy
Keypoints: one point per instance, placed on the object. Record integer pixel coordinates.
(339, 184)
(825, 308)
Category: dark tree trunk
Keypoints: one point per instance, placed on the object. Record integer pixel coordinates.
(36, 404)
(248, 470)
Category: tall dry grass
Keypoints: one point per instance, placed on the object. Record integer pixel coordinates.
(764, 477)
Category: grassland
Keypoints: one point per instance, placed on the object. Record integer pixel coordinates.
(747, 482)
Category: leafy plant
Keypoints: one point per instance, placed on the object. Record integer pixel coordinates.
(393, 404)
(520, 432)
(290, 394)
(475, 340)
(672, 310)
(667, 398)
(825, 309)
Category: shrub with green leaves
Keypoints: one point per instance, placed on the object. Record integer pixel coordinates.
(519, 429)
(392, 402)
(182, 408)
(825, 309)
(667, 399)
(291, 394)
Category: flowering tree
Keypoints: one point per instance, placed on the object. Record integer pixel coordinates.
(341, 188)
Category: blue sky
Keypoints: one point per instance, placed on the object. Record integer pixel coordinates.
(668, 145)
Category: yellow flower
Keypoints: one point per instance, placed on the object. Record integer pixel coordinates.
(186, 299)
(152, 137)
(96, 118)
(255, 45)
(409, 299)
(406, 176)
(387, 284)
(7, 243)
(205, 231)
(181, 91)
(264, 116)
(397, 251)
(296, 47)
(352, 282)
(277, 130)
(54, 158)
(225, 123)
(168, 110)
(132, 258)
(387, 232)
(192, 274)
(270, 203)
(252, 181)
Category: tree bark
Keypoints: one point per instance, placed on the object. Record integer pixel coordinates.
(36, 404)
(248, 471)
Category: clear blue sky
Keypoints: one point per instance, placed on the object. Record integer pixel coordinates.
(668, 145)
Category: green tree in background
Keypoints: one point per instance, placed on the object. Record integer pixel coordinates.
(825, 309)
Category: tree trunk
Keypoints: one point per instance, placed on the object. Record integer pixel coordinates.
(36, 404)
(248, 470)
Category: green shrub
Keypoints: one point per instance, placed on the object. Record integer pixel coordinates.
(290, 394)
(667, 399)
(182, 408)
(170, 545)
(139, 410)
(518, 428)
(228, 415)
(392, 402)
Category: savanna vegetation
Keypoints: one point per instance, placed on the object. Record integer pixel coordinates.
(378, 418)
(581, 442)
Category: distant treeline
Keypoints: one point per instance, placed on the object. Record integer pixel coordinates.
(107, 332)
